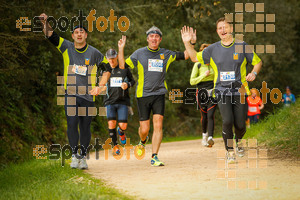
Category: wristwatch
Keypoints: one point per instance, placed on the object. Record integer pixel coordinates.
(193, 43)
(254, 73)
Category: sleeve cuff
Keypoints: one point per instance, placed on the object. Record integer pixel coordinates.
(180, 56)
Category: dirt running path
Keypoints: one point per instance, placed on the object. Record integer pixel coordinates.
(194, 172)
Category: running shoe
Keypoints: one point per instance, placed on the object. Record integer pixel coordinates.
(210, 142)
(156, 162)
(204, 139)
(141, 144)
(240, 151)
(75, 162)
(116, 151)
(230, 156)
(122, 137)
(83, 164)
(141, 147)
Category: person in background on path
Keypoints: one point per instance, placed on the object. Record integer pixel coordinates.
(288, 97)
(203, 76)
(254, 106)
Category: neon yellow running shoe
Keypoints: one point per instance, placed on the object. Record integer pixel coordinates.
(141, 147)
(156, 162)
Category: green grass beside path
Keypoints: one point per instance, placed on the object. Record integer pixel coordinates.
(47, 179)
(280, 131)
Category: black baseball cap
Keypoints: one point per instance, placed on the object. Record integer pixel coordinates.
(79, 26)
(111, 53)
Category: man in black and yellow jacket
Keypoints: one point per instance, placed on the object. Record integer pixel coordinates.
(81, 63)
(228, 58)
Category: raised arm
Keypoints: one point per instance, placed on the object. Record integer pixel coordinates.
(47, 29)
(193, 42)
(187, 35)
(121, 45)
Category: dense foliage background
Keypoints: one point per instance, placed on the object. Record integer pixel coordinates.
(29, 64)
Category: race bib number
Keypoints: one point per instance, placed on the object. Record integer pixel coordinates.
(81, 70)
(253, 109)
(115, 82)
(155, 65)
(227, 76)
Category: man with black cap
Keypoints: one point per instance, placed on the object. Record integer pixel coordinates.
(117, 98)
(152, 63)
(81, 63)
